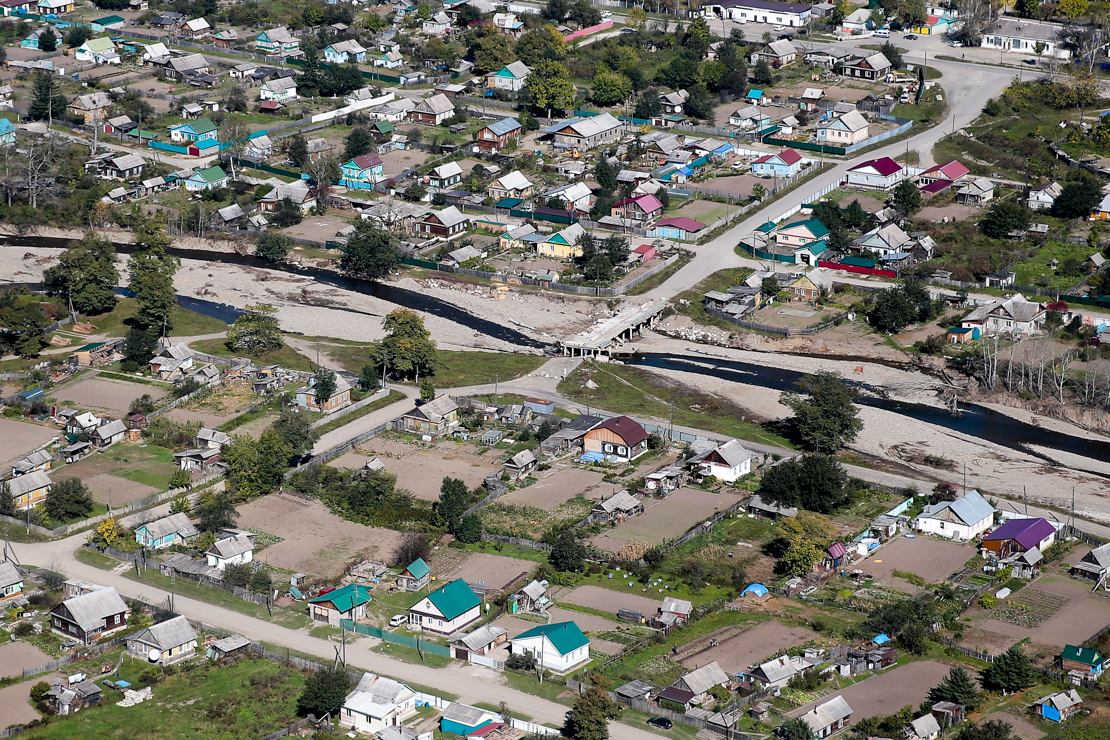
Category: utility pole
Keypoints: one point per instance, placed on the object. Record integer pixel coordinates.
(672, 422)
(965, 478)
(496, 378)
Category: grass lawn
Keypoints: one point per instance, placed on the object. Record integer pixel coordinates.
(695, 297)
(928, 111)
(637, 719)
(150, 465)
(631, 390)
(509, 551)
(393, 397)
(453, 369)
(183, 323)
(286, 357)
(95, 559)
(549, 690)
(244, 699)
(410, 655)
(1036, 271)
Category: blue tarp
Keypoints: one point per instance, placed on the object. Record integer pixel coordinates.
(592, 457)
(756, 588)
(881, 639)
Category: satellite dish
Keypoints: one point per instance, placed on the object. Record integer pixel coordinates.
(154, 655)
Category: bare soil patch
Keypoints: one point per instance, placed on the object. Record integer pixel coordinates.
(954, 212)
(497, 571)
(752, 647)
(118, 491)
(112, 395)
(399, 160)
(1080, 614)
(317, 228)
(666, 518)
(17, 438)
(867, 202)
(933, 560)
(585, 622)
(561, 487)
(15, 656)
(736, 184)
(206, 418)
(316, 541)
(889, 691)
(15, 704)
(605, 600)
(705, 211)
(422, 469)
(1022, 728)
(515, 625)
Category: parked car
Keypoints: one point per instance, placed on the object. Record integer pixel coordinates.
(882, 33)
(787, 37)
(780, 28)
(606, 14)
(661, 722)
(398, 619)
(1032, 62)
(910, 37)
(956, 44)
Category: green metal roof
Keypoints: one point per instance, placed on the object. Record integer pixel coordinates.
(384, 126)
(346, 598)
(767, 227)
(1081, 655)
(203, 126)
(859, 262)
(212, 174)
(454, 599)
(418, 569)
(815, 227)
(109, 20)
(564, 636)
(88, 347)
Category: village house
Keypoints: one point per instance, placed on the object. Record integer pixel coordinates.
(759, 11)
(674, 612)
(559, 648)
(828, 718)
(481, 641)
(585, 133)
(97, 51)
(761, 509)
(619, 436)
(298, 192)
(29, 490)
(845, 130)
(11, 582)
(340, 397)
(432, 418)
(508, 24)
(281, 90)
(532, 598)
(521, 465)
(563, 244)
(432, 111)
(641, 209)
(726, 462)
(498, 135)
(446, 610)
(37, 460)
(165, 643)
(175, 529)
(72, 699)
(871, 68)
(950, 173)
(800, 233)
(342, 52)
(779, 53)
(978, 192)
(445, 223)
(618, 507)
(211, 178)
(346, 602)
(445, 176)
(1013, 316)
(465, 720)
(376, 704)
(884, 241)
(193, 131)
(1094, 565)
(391, 59)
(277, 41)
(639, 690)
(749, 117)
(172, 361)
(415, 576)
(512, 185)
(878, 174)
(211, 438)
(203, 460)
(179, 68)
(7, 131)
(1061, 706)
(1085, 662)
(90, 616)
(438, 25)
(576, 196)
(924, 727)
(786, 163)
(1017, 536)
(238, 549)
(777, 673)
(362, 172)
(511, 77)
(1026, 36)
(963, 519)
(197, 28)
(699, 682)
(665, 479)
(90, 108)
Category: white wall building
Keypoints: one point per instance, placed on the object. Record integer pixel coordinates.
(962, 519)
(558, 647)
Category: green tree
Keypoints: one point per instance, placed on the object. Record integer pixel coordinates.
(854, 216)
(47, 99)
(151, 276)
(556, 10)
(371, 252)
(584, 14)
(958, 688)
(427, 391)
(992, 729)
(298, 146)
(605, 175)
(454, 499)
(1027, 8)
(77, 35)
(7, 504)
(896, 307)
(236, 100)
(86, 273)
(323, 385)
(1077, 199)
(700, 103)
(470, 530)
(637, 19)
(407, 349)
(825, 413)
(795, 728)
(256, 330)
(216, 510)
(648, 105)
(893, 54)
(610, 88)
(48, 40)
(68, 499)
(770, 286)
(549, 86)
(22, 323)
(492, 52)
(802, 540)
(324, 692)
(589, 718)
(1004, 217)
(1010, 672)
(369, 378)
(568, 555)
(813, 482)
(181, 479)
(273, 247)
(1072, 8)
(287, 213)
(762, 74)
(907, 198)
(359, 142)
(539, 43)
(696, 40)
(296, 431)
(139, 346)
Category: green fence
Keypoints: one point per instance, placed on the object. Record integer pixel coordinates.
(419, 263)
(760, 254)
(565, 220)
(807, 145)
(404, 640)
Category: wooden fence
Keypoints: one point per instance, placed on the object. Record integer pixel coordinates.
(198, 393)
(65, 660)
(517, 541)
(377, 396)
(706, 526)
(785, 331)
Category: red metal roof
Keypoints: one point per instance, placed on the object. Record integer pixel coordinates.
(648, 203)
(682, 222)
(627, 429)
(366, 161)
(789, 156)
(885, 166)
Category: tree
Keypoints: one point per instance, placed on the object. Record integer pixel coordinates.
(492, 52)
(556, 10)
(700, 103)
(610, 88)
(47, 99)
(151, 275)
(958, 688)
(369, 378)
(648, 105)
(324, 692)
(86, 274)
(907, 198)
(470, 530)
(296, 431)
(605, 175)
(358, 143)
(540, 43)
(896, 307)
(992, 729)
(256, 330)
(568, 555)
(298, 147)
(216, 510)
(413, 545)
(813, 482)
(78, 35)
(48, 40)
(802, 539)
(1004, 217)
(825, 413)
(1010, 672)
(139, 346)
(454, 499)
(236, 100)
(323, 385)
(68, 499)
(371, 252)
(1077, 199)
(261, 582)
(762, 74)
(795, 728)
(1027, 8)
(181, 479)
(272, 247)
(893, 55)
(287, 213)
(589, 718)
(407, 348)
(584, 14)
(7, 504)
(427, 391)
(549, 86)
(1072, 8)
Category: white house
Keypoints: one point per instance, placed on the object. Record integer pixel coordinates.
(1012, 316)
(576, 196)
(850, 128)
(1043, 197)
(727, 462)
(446, 610)
(377, 703)
(165, 643)
(237, 549)
(1023, 36)
(880, 174)
(759, 11)
(963, 519)
(280, 90)
(559, 647)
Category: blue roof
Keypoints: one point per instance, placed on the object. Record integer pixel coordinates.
(754, 94)
(880, 639)
(205, 143)
(724, 149)
(508, 203)
(592, 457)
(971, 508)
(756, 588)
(6, 126)
(504, 126)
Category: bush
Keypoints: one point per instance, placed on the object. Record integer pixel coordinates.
(521, 662)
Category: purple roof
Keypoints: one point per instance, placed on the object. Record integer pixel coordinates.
(681, 222)
(885, 166)
(1026, 532)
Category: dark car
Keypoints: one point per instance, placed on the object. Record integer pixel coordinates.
(909, 37)
(786, 37)
(1032, 62)
(661, 722)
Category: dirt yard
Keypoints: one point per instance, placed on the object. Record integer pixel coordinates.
(206, 418)
(15, 656)
(15, 704)
(1080, 614)
(316, 542)
(400, 160)
(706, 211)
(318, 228)
(561, 487)
(954, 212)
(111, 395)
(596, 597)
(889, 691)
(666, 518)
(497, 571)
(752, 646)
(1023, 729)
(107, 488)
(585, 622)
(736, 184)
(933, 560)
(17, 438)
(869, 203)
(421, 469)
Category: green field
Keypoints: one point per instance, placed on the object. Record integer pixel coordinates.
(695, 297)
(453, 369)
(1036, 271)
(183, 323)
(286, 357)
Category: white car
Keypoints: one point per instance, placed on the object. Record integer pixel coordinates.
(780, 28)
(956, 45)
(398, 619)
(606, 14)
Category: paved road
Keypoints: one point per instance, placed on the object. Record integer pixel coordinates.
(371, 420)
